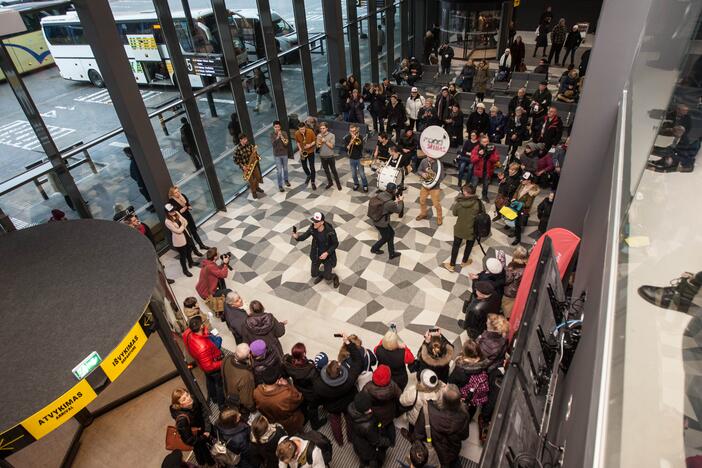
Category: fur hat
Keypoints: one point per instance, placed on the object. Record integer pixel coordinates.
(381, 376)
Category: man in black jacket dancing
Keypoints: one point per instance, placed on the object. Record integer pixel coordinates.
(323, 252)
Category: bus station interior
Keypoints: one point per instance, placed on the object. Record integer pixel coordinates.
(631, 396)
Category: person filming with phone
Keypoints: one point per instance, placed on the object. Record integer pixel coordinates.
(323, 252)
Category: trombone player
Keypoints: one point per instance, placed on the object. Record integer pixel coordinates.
(354, 148)
(246, 156)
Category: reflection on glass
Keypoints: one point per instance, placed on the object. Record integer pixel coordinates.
(34, 202)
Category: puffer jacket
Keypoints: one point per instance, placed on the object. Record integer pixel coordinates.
(493, 347)
(201, 348)
(477, 311)
(397, 360)
(264, 327)
(384, 400)
(439, 364)
(449, 429)
(303, 376)
(478, 161)
(366, 436)
(413, 105)
(336, 394)
(417, 395)
(270, 360)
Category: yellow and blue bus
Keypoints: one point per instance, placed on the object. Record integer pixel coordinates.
(28, 49)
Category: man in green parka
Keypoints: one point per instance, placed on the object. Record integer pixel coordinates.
(466, 208)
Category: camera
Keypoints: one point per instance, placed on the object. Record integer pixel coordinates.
(227, 255)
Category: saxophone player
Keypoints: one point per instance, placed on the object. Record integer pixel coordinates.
(307, 143)
(280, 144)
(354, 149)
(246, 156)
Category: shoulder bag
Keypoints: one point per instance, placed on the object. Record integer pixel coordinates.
(433, 459)
(173, 439)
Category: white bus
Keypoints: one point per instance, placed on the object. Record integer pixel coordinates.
(146, 50)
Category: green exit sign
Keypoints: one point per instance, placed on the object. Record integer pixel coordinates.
(87, 365)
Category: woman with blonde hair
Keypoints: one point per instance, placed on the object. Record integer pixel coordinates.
(393, 352)
(193, 428)
(182, 204)
(513, 278)
(369, 358)
(493, 342)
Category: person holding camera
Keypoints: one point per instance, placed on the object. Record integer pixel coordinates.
(484, 157)
(212, 275)
(323, 252)
(386, 203)
(198, 342)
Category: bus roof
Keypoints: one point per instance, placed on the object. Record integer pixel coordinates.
(23, 6)
(131, 16)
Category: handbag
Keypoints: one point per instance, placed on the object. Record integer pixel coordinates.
(365, 376)
(433, 459)
(173, 439)
(222, 455)
(216, 304)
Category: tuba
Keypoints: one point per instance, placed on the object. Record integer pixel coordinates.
(254, 158)
(432, 177)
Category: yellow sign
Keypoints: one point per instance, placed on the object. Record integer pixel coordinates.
(141, 41)
(60, 410)
(125, 352)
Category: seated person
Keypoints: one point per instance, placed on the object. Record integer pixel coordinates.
(529, 159)
(415, 71)
(569, 90)
(382, 148)
(679, 156)
(542, 67)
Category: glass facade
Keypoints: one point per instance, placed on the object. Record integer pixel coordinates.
(86, 129)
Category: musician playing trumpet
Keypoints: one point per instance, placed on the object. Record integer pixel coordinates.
(246, 156)
(354, 148)
(280, 143)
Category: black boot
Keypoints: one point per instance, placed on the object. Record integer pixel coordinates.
(682, 294)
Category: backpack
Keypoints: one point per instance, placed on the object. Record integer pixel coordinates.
(317, 439)
(376, 209)
(482, 223)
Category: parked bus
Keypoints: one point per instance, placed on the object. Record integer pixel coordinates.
(28, 49)
(147, 52)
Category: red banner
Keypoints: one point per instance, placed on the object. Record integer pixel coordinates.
(565, 244)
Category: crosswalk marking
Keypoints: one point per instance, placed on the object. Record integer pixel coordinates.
(19, 134)
(103, 96)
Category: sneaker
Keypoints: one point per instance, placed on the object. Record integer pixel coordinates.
(449, 267)
(355, 188)
(377, 252)
(318, 279)
(395, 255)
(365, 189)
(465, 264)
(336, 281)
(683, 293)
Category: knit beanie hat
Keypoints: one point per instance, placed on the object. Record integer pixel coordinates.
(381, 376)
(258, 348)
(494, 266)
(484, 287)
(321, 360)
(363, 402)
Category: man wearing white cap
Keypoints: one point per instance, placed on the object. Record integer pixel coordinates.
(323, 251)
(414, 104)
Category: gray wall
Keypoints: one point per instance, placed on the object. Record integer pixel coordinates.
(529, 12)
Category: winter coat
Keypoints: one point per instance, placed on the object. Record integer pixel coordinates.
(481, 78)
(463, 370)
(543, 211)
(497, 280)
(497, 127)
(523, 102)
(397, 360)
(201, 348)
(262, 452)
(545, 164)
(355, 110)
(261, 364)
(542, 36)
(479, 160)
(377, 105)
(521, 130)
(455, 127)
(518, 51)
(465, 209)
(553, 133)
(235, 438)
(235, 319)
(443, 106)
(416, 396)
(303, 377)
(513, 277)
(238, 379)
(426, 117)
(210, 274)
(179, 236)
(438, 364)
(449, 429)
(558, 34)
(541, 69)
(468, 73)
(509, 184)
(493, 347)
(477, 311)
(413, 105)
(389, 206)
(332, 244)
(367, 438)
(543, 98)
(396, 115)
(187, 419)
(478, 122)
(264, 327)
(280, 403)
(336, 394)
(384, 400)
(446, 54)
(526, 196)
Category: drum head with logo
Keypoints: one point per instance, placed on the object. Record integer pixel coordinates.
(434, 141)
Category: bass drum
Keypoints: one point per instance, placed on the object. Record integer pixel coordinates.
(388, 174)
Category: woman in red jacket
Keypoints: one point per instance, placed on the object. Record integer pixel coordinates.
(211, 274)
(484, 154)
